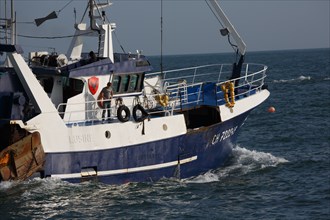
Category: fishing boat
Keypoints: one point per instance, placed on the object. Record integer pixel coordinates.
(54, 119)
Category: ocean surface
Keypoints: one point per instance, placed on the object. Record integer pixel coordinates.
(280, 167)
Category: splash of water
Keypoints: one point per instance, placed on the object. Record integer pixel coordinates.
(242, 162)
(245, 157)
(207, 177)
(7, 185)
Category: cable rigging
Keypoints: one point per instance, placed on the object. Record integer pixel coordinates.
(224, 30)
(56, 37)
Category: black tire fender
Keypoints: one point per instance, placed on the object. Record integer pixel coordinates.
(144, 115)
(120, 115)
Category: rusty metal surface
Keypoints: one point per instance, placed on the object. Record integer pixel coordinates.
(22, 159)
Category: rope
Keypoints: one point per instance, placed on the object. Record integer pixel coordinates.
(58, 37)
(122, 48)
(65, 6)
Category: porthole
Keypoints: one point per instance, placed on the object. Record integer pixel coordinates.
(164, 127)
(108, 134)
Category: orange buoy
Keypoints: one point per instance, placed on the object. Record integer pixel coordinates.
(271, 109)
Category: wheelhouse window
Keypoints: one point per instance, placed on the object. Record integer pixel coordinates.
(78, 86)
(116, 83)
(128, 83)
(124, 84)
(133, 82)
(71, 87)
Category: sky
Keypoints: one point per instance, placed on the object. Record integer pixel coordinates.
(189, 27)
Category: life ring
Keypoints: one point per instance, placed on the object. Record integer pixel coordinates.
(142, 115)
(126, 116)
(229, 86)
(100, 101)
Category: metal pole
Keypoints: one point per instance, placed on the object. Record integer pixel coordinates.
(161, 38)
(6, 38)
(13, 24)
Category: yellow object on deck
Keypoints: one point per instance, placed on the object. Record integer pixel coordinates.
(226, 88)
(162, 100)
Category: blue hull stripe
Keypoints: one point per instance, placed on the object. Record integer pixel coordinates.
(129, 170)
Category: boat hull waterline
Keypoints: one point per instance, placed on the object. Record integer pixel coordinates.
(184, 156)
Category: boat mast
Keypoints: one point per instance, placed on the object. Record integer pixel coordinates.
(13, 24)
(102, 30)
(161, 38)
(9, 24)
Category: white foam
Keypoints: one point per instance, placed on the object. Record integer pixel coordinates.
(242, 162)
(300, 78)
(7, 185)
(40, 186)
(204, 178)
(248, 158)
(48, 183)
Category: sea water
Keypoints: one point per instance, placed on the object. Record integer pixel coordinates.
(280, 167)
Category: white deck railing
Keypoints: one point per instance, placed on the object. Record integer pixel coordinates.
(251, 80)
(185, 89)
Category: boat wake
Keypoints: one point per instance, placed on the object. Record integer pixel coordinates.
(299, 79)
(33, 185)
(4, 185)
(243, 161)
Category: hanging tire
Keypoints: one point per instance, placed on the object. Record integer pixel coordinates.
(127, 113)
(142, 115)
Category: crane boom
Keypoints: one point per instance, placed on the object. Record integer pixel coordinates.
(221, 16)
